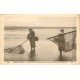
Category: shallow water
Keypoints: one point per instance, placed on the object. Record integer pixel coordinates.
(45, 49)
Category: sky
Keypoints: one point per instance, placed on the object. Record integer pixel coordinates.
(40, 20)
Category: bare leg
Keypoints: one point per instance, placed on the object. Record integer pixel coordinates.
(60, 55)
(31, 48)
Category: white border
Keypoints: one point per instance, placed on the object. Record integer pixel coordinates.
(39, 72)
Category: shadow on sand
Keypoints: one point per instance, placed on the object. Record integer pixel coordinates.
(65, 58)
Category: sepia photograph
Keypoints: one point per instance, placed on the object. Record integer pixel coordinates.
(40, 37)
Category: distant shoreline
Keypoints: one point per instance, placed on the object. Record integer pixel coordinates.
(23, 27)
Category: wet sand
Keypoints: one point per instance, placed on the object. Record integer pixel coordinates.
(45, 51)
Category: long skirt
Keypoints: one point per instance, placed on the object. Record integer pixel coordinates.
(61, 46)
(32, 43)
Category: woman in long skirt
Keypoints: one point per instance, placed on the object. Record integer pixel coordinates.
(61, 42)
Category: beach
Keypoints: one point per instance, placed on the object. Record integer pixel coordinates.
(45, 49)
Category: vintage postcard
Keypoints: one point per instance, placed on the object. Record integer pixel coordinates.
(39, 38)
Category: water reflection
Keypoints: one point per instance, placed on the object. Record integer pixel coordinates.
(32, 55)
